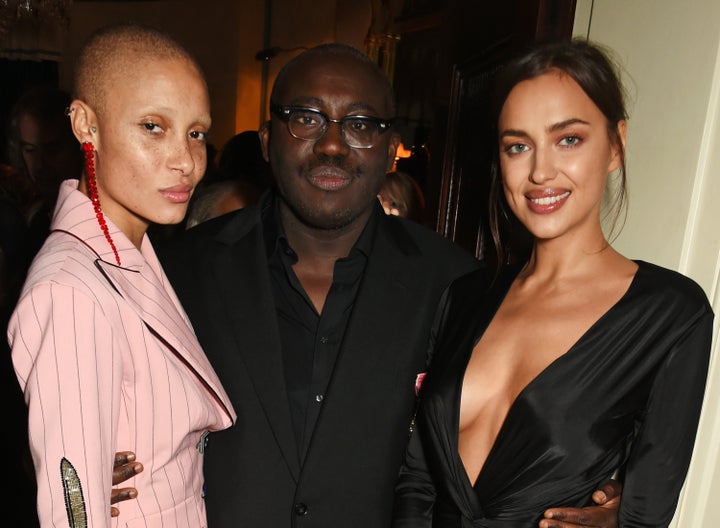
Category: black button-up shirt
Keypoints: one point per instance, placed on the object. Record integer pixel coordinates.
(310, 341)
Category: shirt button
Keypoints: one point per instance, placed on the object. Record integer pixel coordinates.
(301, 509)
(323, 340)
(319, 398)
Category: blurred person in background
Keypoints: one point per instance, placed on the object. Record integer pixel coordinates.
(402, 196)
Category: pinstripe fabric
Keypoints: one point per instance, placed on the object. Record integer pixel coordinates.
(108, 361)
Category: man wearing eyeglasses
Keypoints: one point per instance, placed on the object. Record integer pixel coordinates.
(322, 313)
(315, 309)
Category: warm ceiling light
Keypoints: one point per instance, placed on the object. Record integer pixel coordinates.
(402, 152)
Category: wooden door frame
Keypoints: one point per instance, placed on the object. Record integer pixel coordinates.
(555, 20)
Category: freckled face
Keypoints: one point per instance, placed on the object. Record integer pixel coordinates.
(324, 183)
(151, 143)
(555, 156)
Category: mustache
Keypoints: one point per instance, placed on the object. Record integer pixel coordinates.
(336, 162)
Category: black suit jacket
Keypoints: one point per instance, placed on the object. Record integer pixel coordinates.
(253, 476)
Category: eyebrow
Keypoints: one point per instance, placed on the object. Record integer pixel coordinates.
(316, 103)
(552, 128)
(566, 123)
(205, 121)
(310, 102)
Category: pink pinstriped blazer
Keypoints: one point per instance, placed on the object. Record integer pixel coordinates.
(108, 361)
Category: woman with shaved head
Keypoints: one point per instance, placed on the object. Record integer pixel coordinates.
(101, 346)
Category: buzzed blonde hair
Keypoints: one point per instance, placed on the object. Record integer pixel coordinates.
(112, 52)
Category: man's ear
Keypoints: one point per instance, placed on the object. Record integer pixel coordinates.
(264, 133)
(83, 121)
(619, 147)
(392, 150)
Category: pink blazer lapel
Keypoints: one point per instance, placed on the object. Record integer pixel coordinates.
(141, 281)
(157, 305)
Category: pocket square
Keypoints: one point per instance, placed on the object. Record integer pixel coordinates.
(418, 382)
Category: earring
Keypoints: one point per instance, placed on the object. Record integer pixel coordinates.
(89, 155)
(93, 129)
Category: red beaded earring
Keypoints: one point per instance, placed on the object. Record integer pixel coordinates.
(89, 154)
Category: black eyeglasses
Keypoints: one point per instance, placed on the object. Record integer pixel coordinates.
(360, 132)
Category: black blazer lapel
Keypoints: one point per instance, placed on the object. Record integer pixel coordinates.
(241, 279)
(381, 310)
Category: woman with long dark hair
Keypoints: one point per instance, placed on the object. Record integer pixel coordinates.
(549, 375)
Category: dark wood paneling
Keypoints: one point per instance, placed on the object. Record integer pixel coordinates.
(446, 60)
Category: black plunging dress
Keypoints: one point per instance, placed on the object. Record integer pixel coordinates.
(627, 394)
